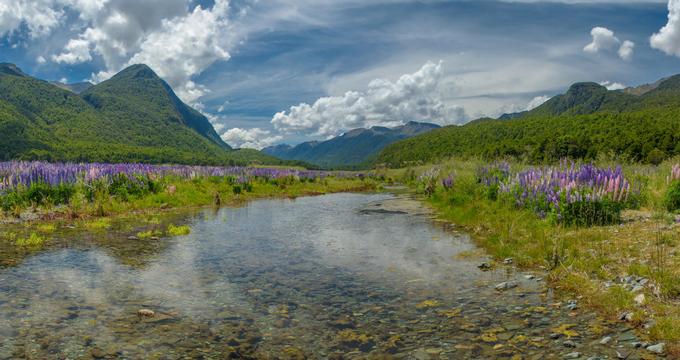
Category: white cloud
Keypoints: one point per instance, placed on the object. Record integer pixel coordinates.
(254, 138)
(41, 60)
(39, 16)
(412, 97)
(76, 51)
(605, 40)
(178, 43)
(668, 38)
(536, 102)
(613, 85)
(626, 50)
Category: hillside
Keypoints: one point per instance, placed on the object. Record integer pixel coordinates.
(354, 148)
(586, 122)
(135, 116)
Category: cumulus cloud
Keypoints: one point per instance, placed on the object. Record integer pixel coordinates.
(254, 138)
(177, 41)
(668, 38)
(39, 16)
(76, 51)
(613, 85)
(413, 97)
(536, 102)
(626, 50)
(604, 39)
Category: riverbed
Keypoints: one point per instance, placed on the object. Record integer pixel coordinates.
(333, 276)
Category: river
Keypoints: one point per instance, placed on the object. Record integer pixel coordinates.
(334, 276)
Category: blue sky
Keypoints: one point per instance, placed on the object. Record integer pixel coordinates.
(276, 71)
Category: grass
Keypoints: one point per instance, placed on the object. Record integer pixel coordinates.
(33, 241)
(199, 192)
(580, 260)
(178, 230)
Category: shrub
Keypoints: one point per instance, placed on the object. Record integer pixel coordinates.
(673, 196)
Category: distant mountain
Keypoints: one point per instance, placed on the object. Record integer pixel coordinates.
(134, 116)
(587, 121)
(352, 149)
(75, 87)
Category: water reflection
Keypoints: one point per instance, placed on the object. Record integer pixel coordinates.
(311, 277)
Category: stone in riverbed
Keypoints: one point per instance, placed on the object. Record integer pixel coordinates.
(657, 349)
(145, 313)
(484, 266)
(507, 285)
(573, 355)
(605, 340)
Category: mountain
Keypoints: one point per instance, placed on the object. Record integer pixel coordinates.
(75, 87)
(586, 122)
(134, 116)
(352, 149)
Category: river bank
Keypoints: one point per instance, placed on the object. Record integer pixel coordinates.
(628, 272)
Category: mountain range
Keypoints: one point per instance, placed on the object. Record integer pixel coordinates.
(588, 121)
(134, 116)
(355, 148)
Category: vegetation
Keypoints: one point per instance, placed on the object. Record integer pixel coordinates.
(588, 122)
(133, 117)
(589, 258)
(96, 190)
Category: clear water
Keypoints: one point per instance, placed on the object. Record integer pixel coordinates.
(314, 277)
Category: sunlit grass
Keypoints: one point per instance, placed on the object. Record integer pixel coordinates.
(178, 230)
(34, 240)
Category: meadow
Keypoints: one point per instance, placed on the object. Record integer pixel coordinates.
(44, 191)
(607, 233)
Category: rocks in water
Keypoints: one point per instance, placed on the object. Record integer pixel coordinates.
(507, 261)
(659, 348)
(569, 344)
(573, 355)
(145, 313)
(507, 285)
(485, 266)
(605, 340)
(97, 353)
(132, 237)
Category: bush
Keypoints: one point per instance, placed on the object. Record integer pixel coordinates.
(673, 196)
(591, 213)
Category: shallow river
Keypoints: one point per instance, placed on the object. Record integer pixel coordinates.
(334, 276)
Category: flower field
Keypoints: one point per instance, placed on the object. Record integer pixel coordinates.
(34, 184)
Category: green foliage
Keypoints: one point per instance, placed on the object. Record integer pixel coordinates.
(33, 241)
(590, 213)
(178, 230)
(133, 117)
(673, 196)
(587, 122)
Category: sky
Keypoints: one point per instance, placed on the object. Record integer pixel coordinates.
(267, 72)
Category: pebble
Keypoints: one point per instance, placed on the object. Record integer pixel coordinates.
(627, 316)
(639, 299)
(569, 344)
(145, 313)
(573, 355)
(657, 349)
(506, 285)
(605, 340)
(484, 266)
(508, 261)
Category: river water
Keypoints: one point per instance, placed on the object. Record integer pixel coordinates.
(335, 276)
